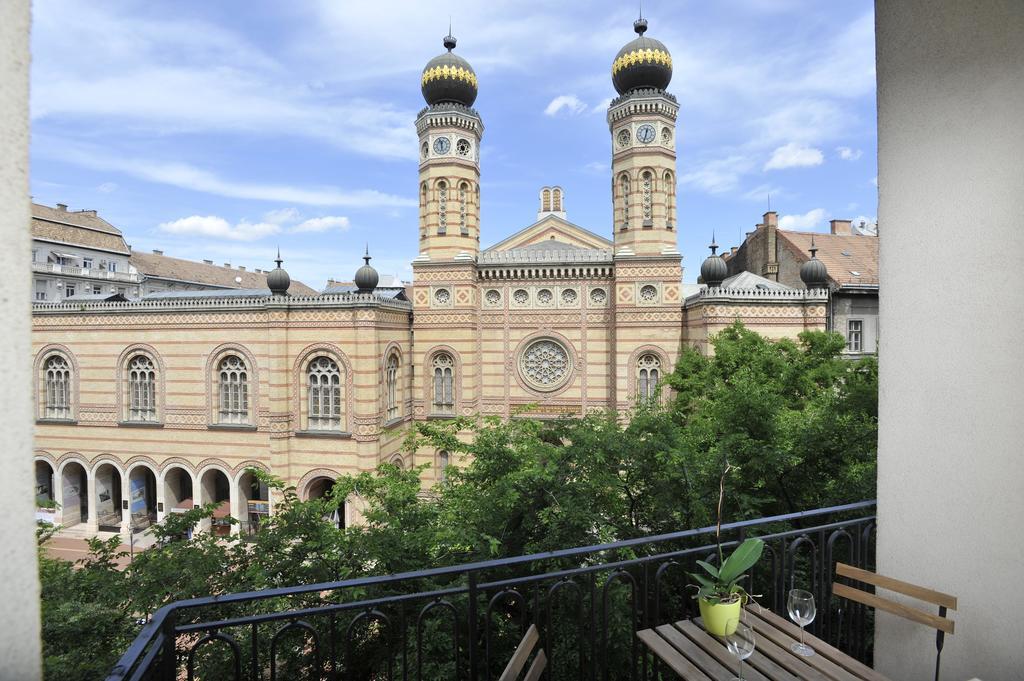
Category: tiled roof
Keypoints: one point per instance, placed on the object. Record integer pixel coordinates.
(850, 259)
(82, 228)
(749, 280)
(165, 267)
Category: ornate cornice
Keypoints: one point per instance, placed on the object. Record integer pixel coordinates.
(268, 303)
(645, 102)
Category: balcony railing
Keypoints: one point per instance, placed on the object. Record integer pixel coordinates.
(91, 272)
(463, 621)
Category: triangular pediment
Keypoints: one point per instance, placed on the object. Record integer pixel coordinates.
(552, 231)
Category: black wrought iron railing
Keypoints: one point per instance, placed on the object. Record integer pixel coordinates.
(463, 621)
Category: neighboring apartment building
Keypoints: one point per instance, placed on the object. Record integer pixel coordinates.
(850, 255)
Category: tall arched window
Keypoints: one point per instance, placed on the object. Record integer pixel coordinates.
(57, 380)
(463, 198)
(141, 389)
(233, 380)
(444, 384)
(442, 207)
(391, 386)
(443, 461)
(624, 190)
(556, 200)
(324, 394)
(647, 187)
(423, 210)
(545, 200)
(647, 375)
(670, 193)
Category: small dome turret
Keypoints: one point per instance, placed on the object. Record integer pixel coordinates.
(813, 273)
(448, 78)
(278, 280)
(714, 270)
(366, 277)
(643, 63)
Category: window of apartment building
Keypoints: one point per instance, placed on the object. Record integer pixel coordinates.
(69, 290)
(444, 384)
(121, 290)
(87, 263)
(112, 266)
(324, 394)
(854, 335)
(57, 388)
(141, 389)
(391, 386)
(648, 372)
(233, 381)
(40, 289)
(35, 255)
(97, 289)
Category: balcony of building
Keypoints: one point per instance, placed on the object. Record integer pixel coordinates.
(96, 273)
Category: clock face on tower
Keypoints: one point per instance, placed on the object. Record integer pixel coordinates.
(645, 133)
(442, 145)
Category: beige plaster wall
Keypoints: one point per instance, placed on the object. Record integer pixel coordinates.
(19, 584)
(950, 464)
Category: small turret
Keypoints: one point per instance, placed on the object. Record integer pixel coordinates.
(366, 276)
(278, 280)
(813, 273)
(714, 270)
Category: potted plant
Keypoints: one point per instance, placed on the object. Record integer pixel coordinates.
(719, 594)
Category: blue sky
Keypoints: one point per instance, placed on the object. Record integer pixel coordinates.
(223, 129)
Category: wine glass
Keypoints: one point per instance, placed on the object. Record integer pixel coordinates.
(801, 610)
(740, 643)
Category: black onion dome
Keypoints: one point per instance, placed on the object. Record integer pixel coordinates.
(278, 280)
(714, 270)
(813, 273)
(449, 78)
(642, 63)
(366, 277)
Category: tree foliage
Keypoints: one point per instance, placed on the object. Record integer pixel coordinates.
(795, 419)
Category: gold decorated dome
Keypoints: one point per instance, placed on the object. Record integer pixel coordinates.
(449, 78)
(643, 63)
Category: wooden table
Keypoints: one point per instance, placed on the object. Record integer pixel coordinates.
(694, 654)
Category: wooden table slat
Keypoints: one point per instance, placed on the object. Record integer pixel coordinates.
(783, 639)
(784, 658)
(839, 657)
(714, 648)
(696, 654)
(670, 656)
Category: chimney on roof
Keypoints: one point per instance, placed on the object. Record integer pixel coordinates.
(841, 227)
(157, 252)
(228, 265)
(241, 268)
(733, 250)
(771, 219)
(62, 207)
(208, 262)
(88, 212)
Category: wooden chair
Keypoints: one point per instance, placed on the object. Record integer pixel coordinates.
(940, 623)
(522, 654)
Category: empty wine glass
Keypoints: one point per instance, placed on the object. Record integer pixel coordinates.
(801, 610)
(740, 643)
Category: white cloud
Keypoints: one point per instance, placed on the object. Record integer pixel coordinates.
(570, 104)
(322, 224)
(719, 175)
(765, 192)
(602, 106)
(848, 154)
(282, 216)
(809, 220)
(107, 187)
(213, 226)
(596, 167)
(794, 155)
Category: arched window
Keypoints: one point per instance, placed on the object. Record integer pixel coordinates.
(545, 200)
(463, 198)
(324, 394)
(233, 380)
(647, 186)
(397, 461)
(647, 375)
(556, 200)
(443, 461)
(624, 189)
(670, 193)
(423, 210)
(57, 380)
(391, 386)
(444, 384)
(442, 207)
(141, 389)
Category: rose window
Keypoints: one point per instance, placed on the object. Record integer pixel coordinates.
(521, 297)
(666, 135)
(568, 296)
(648, 294)
(598, 296)
(544, 296)
(492, 297)
(442, 296)
(462, 147)
(545, 364)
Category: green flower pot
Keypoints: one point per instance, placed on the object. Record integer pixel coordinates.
(720, 618)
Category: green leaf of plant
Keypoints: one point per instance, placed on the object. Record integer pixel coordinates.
(741, 560)
(711, 569)
(704, 581)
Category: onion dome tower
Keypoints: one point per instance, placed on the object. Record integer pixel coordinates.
(642, 123)
(366, 276)
(449, 133)
(448, 78)
(278, 280)
(714, 270)
(642, 63)
(813, 273)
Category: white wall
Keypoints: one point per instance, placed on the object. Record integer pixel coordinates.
(19, 585)
(951, 456)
